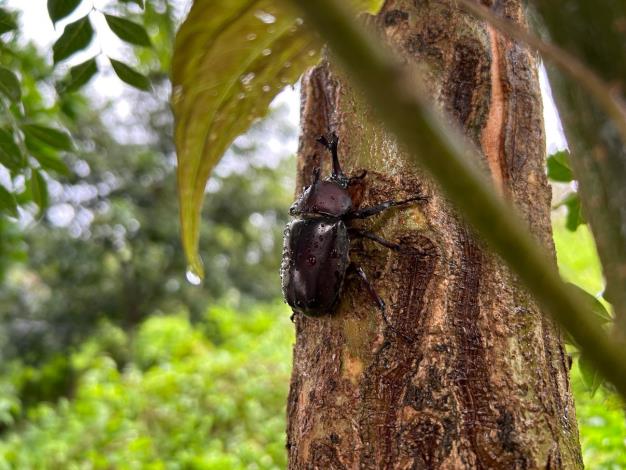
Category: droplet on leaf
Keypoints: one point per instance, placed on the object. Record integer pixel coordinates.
(193, 278)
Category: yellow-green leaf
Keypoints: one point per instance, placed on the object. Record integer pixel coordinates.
(231, 58)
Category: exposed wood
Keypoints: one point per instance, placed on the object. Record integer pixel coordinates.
(483, 382)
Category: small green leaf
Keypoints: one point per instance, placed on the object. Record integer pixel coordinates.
(59, 9)
(79, 75)
(8, 202)
(53, 137)
(10, 85)
(76, 36)
(558, 167)
(130, 76)
(38, 189)
(128, 31)
(575, 215)
(47, 158)
(10, 154)
(7, 21)
(594, 305)
(590, 375)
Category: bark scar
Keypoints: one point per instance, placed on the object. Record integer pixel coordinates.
(492, 136)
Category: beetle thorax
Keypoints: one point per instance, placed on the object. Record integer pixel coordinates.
(327, 198)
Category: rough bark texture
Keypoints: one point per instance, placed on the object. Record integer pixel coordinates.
(483, 383)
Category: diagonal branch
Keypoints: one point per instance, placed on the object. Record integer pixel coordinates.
(445, 154)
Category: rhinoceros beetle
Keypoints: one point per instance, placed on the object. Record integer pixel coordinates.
(317, 243)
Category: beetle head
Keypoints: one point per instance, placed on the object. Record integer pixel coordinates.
(331, 143)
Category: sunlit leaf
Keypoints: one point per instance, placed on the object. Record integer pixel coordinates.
(558, 167)
(79, 75)
(7, 21)
(10, 154)
(130, 75)
(128, 31)
(76, 36)
(38, 189)
(8, 203)
(53, 137)
(10, 85)
(59, 9)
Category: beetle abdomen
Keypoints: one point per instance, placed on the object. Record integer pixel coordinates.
(315, 259)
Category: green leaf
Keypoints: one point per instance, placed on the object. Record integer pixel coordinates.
(128, 31)
(76, 36)
(591, 377)
(10, 154)
(558, 167)
(594, 305)
(38, 189)
(575, 215)
(8, 202)
(10, 85)
(231, 58)
(47, 158)
(53, 137)
(79, 75)
(7, 21)
(59, 9)
(130, 76)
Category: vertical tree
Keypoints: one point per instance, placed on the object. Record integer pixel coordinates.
(482, 383)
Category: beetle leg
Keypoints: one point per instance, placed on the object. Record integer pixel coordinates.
(356, 232)
(379, 301)
(377, 209)
(316, 174)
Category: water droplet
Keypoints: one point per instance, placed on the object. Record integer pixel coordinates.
(247, 78)
(265, 17)
(312, 52)
(241, 96)
(193, 278)
(251, 37)
(311, 260)
(266, 88)
(299, 21)
(266, 52)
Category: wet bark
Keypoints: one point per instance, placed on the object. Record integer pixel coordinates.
(483, 381)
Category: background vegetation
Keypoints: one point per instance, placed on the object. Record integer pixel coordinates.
(108, 357)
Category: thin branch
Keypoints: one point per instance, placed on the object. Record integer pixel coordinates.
(587, 78)
(446, 155)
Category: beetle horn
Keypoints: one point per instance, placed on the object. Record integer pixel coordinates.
(331, 144)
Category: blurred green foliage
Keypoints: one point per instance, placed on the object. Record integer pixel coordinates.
(601, 417)
(165, 396)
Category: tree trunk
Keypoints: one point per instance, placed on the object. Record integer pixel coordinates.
(483, 383)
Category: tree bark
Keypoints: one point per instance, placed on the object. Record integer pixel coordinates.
(483, 381)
